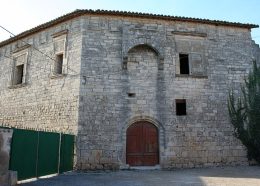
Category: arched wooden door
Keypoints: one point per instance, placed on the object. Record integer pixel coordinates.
(142, 144)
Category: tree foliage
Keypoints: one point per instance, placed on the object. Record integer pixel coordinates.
(244, 113)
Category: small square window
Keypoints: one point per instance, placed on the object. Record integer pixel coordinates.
(180, 107)
(131, 95)
(184, 64)
(18, 79)
(58, 64)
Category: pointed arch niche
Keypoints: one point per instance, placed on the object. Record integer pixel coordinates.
(160, 58)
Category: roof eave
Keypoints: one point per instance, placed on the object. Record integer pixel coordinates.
(78, 13)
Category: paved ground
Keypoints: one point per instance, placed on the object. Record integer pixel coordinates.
(228, 176)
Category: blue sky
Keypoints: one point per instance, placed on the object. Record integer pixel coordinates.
(20, 15)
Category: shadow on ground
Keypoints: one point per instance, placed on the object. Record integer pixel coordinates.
(224, 176)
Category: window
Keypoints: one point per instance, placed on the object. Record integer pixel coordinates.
(19, 68)
(180, 107)
(58, 64)
(131, 95)
(18, 76)
(184, 64)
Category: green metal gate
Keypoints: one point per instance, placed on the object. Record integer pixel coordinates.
(67, 152)
(48, 153)
(37, 153)
(23, 157)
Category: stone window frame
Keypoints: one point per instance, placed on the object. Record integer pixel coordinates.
(17, 53)
(60, 36)
(184, 36)
(177, 65)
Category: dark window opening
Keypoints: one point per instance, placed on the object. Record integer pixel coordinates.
(180, 107)
(131, 95)
(58, 64)
(19, 74)
(184, 64)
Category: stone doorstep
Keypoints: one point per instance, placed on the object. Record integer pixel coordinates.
(156, 167)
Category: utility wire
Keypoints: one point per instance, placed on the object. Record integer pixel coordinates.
(27, 43)
(39, 68)
(51, 57)
(32, 46)
(87, 75)
(116, 73)
(104, 75)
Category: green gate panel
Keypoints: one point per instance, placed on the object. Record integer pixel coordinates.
(24, 153)
(67, 153)
(48, 154)
(37, 153)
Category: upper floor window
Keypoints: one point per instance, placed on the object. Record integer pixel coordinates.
(19, 65)
(192, 54)
(191, 64)
(184, 64)
(59, 66)
(18, 76)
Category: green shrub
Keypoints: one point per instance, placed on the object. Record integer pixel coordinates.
(244, 114)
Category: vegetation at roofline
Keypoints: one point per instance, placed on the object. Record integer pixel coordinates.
(244, 113)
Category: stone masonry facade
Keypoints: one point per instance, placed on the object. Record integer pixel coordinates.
(118, 69)
(43, 100)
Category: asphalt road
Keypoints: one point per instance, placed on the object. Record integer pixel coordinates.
(220, 176)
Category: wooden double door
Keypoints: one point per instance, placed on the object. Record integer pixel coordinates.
(142, 144)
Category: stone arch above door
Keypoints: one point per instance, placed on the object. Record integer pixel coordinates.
(143, 58)
(150, 45)
(160, 58)
(147, 46)
(144, 118)
(135, 35)
(157, 49)
(150, 119)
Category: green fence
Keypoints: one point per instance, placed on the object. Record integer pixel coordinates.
(66, 155)
(37, 153)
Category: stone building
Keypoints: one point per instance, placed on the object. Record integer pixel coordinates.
(136, 89)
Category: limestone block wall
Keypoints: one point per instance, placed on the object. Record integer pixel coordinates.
(256, 52)
(44, 100)
(118, 70)
(141, 57)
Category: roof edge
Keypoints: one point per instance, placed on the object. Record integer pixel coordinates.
(80, 12)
